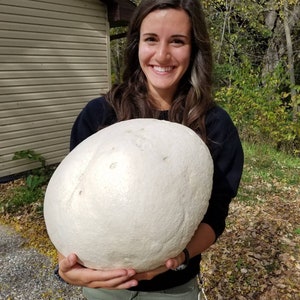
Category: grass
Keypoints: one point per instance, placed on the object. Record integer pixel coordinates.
(21, 197)
(268, 171)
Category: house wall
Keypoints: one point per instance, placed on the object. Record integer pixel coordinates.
(54, 57)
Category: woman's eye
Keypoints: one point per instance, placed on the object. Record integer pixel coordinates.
(178, 42)
(150, 40)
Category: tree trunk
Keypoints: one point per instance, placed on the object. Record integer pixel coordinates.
(291, 69)
(277, 42)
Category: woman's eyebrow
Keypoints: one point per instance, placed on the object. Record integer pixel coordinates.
(177, 35)
(181, 36)
(149, 33)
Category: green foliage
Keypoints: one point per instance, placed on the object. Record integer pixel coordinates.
(259, 109)
(255, 30)
(38, 176)
(22, 196)
(31, 155)
(33, 189)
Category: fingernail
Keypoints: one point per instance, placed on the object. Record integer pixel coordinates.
(134, 283)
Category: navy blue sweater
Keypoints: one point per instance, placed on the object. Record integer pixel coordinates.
(226, 150)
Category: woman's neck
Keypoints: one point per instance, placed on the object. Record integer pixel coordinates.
(161, 99)
(161, 102)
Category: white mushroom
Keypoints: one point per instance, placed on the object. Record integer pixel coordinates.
(131, 195)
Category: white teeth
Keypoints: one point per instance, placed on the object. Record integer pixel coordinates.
(162, 69)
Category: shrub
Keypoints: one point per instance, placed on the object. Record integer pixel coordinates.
(259, 108)
(33, 188)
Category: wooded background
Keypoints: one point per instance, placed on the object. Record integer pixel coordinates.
(257, 67)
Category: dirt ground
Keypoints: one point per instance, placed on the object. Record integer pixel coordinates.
(258, 256)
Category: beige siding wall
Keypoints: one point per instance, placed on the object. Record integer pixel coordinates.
(53, 58)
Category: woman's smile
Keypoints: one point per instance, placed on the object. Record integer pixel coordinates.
(162, 70)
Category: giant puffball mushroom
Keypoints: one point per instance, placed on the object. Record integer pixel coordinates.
(130, 196)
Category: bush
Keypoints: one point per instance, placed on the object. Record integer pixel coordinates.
(260, 110)
(32, 191)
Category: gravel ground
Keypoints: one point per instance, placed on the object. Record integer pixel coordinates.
(26, 274)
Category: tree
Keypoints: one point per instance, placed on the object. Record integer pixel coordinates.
(259, 40)
(291, 65)
(117, 46)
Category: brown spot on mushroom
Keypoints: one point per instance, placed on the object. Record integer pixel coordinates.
(113, 165)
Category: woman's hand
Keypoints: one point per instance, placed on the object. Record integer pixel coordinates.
(171, 264)
(74, 273)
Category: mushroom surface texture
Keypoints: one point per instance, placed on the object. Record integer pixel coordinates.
(130, 196)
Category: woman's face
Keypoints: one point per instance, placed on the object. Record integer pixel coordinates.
(165, 51)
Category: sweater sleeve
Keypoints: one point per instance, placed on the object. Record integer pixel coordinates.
(228, 157)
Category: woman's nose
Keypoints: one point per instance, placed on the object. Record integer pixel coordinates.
(163, 52)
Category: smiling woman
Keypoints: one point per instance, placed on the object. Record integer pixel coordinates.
(168, 76)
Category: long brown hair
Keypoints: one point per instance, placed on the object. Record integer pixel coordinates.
(194, 93)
